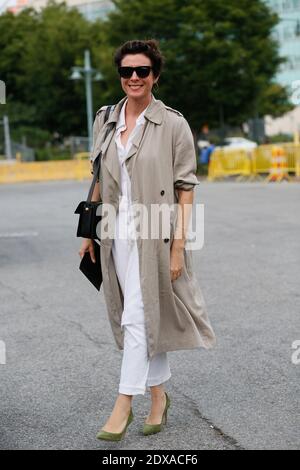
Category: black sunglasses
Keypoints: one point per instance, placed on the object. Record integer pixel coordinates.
(142, 71)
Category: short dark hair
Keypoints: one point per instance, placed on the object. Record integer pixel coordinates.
(149, 48)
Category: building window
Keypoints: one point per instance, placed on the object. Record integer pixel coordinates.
(287, 5)
(276, 35)
(288, 32)
(296, 4)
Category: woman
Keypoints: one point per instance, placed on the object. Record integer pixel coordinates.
(153, 300)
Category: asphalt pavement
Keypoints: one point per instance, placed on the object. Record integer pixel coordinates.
(61, 376)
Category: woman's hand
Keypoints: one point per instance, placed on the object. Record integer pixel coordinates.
(176, 261)
(87, 245)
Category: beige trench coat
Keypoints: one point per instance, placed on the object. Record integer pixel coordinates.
(161, 160)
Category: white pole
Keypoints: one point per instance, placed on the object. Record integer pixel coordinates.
(7, 140)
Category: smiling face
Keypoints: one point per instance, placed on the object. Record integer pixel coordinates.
(136, 87)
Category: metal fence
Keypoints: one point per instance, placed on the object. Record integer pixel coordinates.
(22, 152)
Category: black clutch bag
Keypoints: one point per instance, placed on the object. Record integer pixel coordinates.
(92, 270)
(87, 210)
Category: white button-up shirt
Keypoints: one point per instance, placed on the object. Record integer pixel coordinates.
(125, 228)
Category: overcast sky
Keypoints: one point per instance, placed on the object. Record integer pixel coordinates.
(6, 3)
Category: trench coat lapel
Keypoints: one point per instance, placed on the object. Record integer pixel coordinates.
(110, 160)
(108, 148)
(109, 156)
(154, 114)
(101, 144)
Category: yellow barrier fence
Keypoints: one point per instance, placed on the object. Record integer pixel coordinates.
(254, 164)
(17, 171)
(238, 163)
(229, 163)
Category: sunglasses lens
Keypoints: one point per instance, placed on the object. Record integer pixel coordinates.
(143, 71)
(125, 72)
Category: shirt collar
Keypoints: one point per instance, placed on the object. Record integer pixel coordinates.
(140, 119)
(155, 112)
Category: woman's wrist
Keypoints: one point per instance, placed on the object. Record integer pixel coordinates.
(178, 244)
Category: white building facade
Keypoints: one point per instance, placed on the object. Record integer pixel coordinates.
(287, 33)
(91, 9)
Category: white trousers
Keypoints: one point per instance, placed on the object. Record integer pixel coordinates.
(137, 371)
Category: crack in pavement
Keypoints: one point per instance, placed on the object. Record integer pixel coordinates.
(228, 439)
(81, 328)
(22, 295)
(219, 432)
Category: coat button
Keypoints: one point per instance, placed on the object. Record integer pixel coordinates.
(162, 192)
(166, 240)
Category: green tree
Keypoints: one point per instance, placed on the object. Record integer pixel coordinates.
(38, 50)
(220, 60)
(220, 56)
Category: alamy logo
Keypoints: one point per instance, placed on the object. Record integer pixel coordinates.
(296, 354)
(154, 221)
(295, 98)
(2, 352)
(2, 92)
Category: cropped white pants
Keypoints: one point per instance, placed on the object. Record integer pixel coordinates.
(137, 371)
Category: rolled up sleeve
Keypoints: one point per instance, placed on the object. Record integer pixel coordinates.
(185, 163)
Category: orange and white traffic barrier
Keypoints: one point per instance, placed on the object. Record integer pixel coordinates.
(279, 169)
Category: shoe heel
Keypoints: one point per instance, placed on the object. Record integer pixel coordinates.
(155, 428)
(166, 410)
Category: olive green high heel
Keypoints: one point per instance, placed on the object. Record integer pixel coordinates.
(154, 428)
(113, 436)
